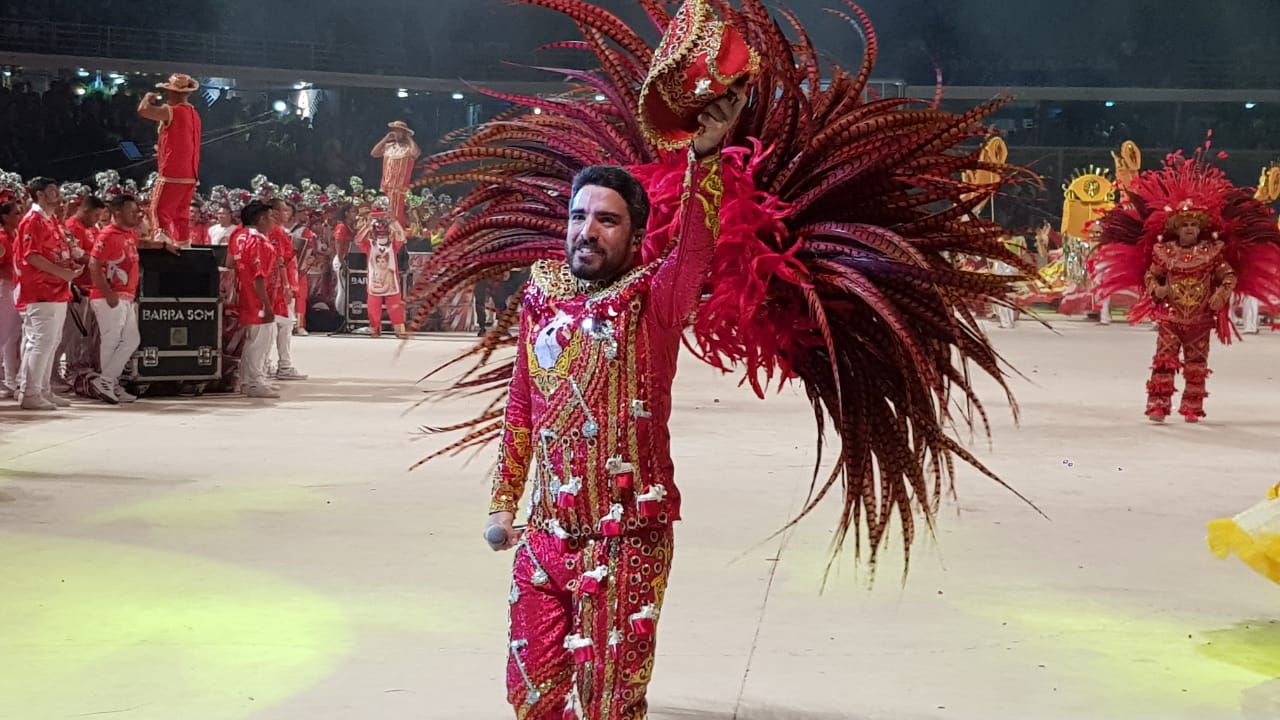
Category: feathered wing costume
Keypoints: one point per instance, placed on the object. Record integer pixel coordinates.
(1187, 289)
(840, 219)
(1245, 227)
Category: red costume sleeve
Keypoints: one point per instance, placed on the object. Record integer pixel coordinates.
(517, 431)
(678, 283)
(1157, 272)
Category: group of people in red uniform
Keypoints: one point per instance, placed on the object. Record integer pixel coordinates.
(53, 262)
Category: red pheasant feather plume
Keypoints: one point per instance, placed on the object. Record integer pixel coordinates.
(840, 220)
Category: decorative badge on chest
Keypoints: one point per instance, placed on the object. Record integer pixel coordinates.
(601, 331)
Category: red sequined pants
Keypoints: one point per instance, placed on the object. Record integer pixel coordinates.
(551, 603)
(1179, 348)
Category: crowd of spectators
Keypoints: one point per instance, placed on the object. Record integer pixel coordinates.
(73, 130)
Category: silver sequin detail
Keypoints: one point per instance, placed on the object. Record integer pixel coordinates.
(534, 696)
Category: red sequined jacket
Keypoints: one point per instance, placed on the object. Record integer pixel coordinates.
(1194, 275)
(591, 394)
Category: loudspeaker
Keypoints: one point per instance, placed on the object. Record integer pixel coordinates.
(191, 274)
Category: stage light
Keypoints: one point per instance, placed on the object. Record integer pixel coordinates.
(8, 73)
(537, 111)
(281, 106)
(118, 81)
(457, 96)
(114, 75)
(1109, 103)
(79, 90)
(301, 85)
(402, 93)
(600, 98)
(82, 73)
(1250, 105)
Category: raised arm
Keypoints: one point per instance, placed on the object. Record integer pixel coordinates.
(677, 286)
(147, 108)
(678, 282)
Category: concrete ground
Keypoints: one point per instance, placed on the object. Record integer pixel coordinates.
(221, 558)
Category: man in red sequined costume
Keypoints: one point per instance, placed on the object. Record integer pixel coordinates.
(588, 410)
(1191, 282)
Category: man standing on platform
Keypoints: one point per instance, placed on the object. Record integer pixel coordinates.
(113, 266)
(177, 157)
(45, 270)
(398, 152)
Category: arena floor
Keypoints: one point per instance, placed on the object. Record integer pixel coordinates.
(221, 558)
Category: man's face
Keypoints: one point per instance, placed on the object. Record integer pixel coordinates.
(1095, 232)
(1188, 232)
(601, 244)
(400, 136)
(282, 214)
(224, 218)
(128, 216)
(51, 200)
(13, 217)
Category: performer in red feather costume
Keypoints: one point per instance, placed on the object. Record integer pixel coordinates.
(1187, 240)
(819, 240)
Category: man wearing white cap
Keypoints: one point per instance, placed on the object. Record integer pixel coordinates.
(398, 152)
(177, 157)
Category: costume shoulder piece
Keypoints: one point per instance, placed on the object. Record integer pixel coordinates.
(840, 213)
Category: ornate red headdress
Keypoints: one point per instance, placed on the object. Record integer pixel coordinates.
(1161, 200)
(699, 58)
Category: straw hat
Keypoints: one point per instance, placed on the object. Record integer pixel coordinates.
(179, 82)
(399, 125)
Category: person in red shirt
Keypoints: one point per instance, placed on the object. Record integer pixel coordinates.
(10, 320)
(77, 345)
(177, 157)
(305, 239)
(255, 261)
(45, 270)
(198, 236)
(113, 267)
(282, 287)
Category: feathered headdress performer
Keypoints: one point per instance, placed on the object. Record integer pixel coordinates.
(840, 217)
(1183, 189)
(1187, 240)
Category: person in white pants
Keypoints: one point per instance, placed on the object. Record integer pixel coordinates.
(281, 288)
(255, 259)
(1249, 310)
(45, 270)
(113, 266)
(10, 321)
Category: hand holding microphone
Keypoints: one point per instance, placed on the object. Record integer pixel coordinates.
(500, 533)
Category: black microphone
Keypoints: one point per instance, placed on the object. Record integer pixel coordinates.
(496, 536)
